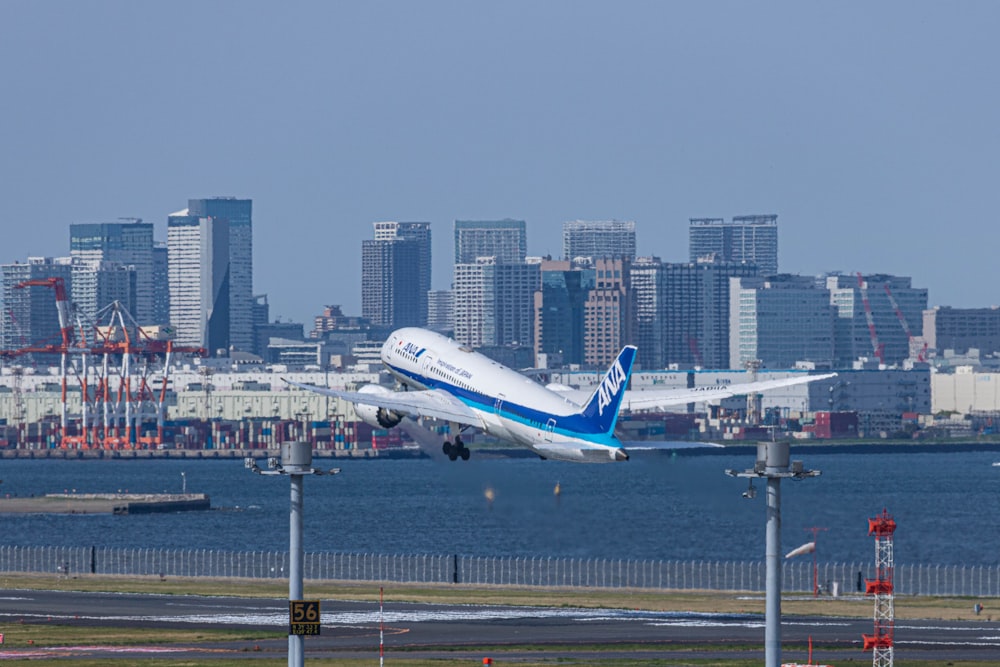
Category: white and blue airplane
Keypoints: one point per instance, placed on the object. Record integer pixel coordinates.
(444, 380)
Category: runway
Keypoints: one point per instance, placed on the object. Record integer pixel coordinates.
(351, 629)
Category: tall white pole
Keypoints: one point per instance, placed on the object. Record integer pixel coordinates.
(772, 465)
(296, 643)
(772, 631)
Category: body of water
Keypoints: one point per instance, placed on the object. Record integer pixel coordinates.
(656, 506)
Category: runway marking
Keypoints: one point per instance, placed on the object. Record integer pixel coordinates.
(371, 618)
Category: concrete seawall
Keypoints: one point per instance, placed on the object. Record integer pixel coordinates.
(105, 503)
(189, 454)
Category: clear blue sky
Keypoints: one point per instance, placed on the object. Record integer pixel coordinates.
(871, 129)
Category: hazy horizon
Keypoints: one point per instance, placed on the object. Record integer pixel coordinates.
(868, 129)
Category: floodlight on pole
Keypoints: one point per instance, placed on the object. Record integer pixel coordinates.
(773, 465)
(296, 462)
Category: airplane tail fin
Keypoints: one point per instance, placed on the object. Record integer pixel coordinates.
(602, 407)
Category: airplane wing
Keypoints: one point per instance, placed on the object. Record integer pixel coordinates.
(652, 399)
(432, 403)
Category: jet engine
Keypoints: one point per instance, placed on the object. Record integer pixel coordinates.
(376, 416)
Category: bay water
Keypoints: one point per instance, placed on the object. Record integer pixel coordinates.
(656, 506)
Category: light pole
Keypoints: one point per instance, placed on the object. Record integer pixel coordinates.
(772, 464)
(304, 615)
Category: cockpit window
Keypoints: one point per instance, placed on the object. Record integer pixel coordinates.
(465, 348)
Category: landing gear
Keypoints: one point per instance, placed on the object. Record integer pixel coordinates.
(456, 450)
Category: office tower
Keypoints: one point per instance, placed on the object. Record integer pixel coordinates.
(752, 239)
(199, 278)
(560, 306)
(441, 311)
(97, 284)
(506, 240)
(780, 320)
(239, 215)
(493, 303)
(887, 301)
(161, 285)
(608, 313)
(30, 317)
(391, 274)
(962, 329)
(419, 233)
(693, 304)
(611, 239)
(128, 244)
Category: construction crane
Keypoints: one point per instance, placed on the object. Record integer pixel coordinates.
(917, 351)
(877, 347)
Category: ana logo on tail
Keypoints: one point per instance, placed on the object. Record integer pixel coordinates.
(609, 387)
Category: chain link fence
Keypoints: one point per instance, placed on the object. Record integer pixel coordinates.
(797, 576)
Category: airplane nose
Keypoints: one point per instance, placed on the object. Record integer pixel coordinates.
(620, 455)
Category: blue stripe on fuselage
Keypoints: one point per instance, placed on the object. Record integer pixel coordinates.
(573, 425)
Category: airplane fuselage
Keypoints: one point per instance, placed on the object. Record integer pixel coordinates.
(509, 405)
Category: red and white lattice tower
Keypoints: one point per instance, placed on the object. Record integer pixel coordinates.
(880, 642)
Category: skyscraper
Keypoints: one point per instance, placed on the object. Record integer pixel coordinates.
(779, 321)
(493, 302)
(29, 314)
(493, 286)
(418, 271)
(696, 315)
(559, 311)
(650, 331)
(390, 283)
(198, 258)
(127, 244)
(97, 284)
(506, 240)
(161, 284)
(885, 298)
(238, 213)
(608, 313)
(441, 311)
(611, 239)
(751, 239)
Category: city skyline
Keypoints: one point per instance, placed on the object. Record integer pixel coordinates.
(870, 134)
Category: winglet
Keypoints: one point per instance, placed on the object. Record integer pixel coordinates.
(602, 407)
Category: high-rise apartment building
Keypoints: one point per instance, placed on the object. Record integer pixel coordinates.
(29, 315)
(198, 258)
(238, 213)
(390, 294)
(506, 240)
(441, 311)
(780, 320)
(411, 273)
(647, 278)
(127, 244)
(493, 286)
(610, 239)
(751, 239)
(493, 303)
(98, 284)
(608, 313)
(695, 299)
